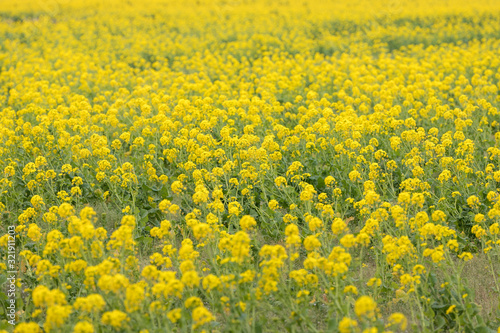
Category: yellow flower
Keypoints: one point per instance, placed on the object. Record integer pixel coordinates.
(65, 210)
(201, 194)
(174, 315)
(311, 243)
(177, 187)
(37, 202)
(9, 171)
(193, 302)
(190, 279)
(329, 181)
(234, 208)
(128, 220)
(373, 282)
(134, 296)
(495, 229)
(210, 282)
(115, 318)
(56, 316)
(338, 226)
(308, 193)
(27, 328)
(351, 289)
(201, 316)
(347, 325)
(348, 241)
(247, 223)
(34, 232)
(273, 204)
(303, 293)
(365, 306)
(83, 327)
(478, 218)
(90, 303)
(315, 223)
(112, 283)
(242, 306)
(76, 266)
(187, 250)
(478, 231)
(465, 256)
(240, 246)
(247, 276)
(44, 297)
(473, 201)
(354, 176)
(280, 181)
(444, 176)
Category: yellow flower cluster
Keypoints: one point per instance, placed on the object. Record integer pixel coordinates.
(248, 166)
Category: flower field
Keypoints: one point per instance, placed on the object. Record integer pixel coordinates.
(250, 166)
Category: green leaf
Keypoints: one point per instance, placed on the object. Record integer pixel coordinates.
(164, 192)
(430, 313)
(332, 324)
(20, 302)
(321, 182)
(148, 240)
(482, 329)
(252, 212)
(440, 322)
(4, 325)
(437, 306)
(153, 211)
(270, 212)
(144, 220)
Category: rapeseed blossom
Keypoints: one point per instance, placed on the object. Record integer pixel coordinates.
(308, 165)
